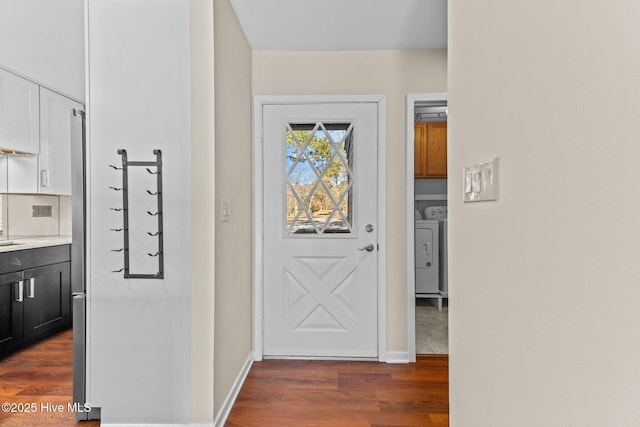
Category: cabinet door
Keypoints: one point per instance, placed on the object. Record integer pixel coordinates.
(420, 147)
(56, 121)
(11, 311)
(22, 174)
(47, 300)
(437, 150)
(4, 174)
(19, 113)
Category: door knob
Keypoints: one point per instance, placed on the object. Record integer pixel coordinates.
(369, 247)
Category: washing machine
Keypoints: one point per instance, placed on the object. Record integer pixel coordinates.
(439, 213)
(427, 257)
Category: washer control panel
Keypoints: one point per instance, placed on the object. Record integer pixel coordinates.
(435, 212)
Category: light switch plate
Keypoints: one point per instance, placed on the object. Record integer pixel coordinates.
(480, 181)
(225, 210)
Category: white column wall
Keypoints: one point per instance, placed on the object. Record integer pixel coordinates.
(139, 99)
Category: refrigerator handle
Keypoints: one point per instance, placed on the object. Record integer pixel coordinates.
(78, 214)
(20, 291)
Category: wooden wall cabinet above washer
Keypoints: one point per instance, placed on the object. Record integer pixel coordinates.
(430, 156)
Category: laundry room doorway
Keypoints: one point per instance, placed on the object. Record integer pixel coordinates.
(427, 224)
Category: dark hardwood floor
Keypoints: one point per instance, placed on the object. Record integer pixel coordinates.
(40, 378)
(330, 393)
(279, 393)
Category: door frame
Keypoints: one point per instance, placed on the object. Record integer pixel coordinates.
(412, 98)
(258, 206)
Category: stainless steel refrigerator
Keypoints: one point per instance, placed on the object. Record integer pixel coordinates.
(78, 272)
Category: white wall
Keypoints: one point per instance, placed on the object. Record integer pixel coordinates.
(43, 40)
(202, 211)
(233, 178)
(390, 73)
(139, 100)
(543, 283)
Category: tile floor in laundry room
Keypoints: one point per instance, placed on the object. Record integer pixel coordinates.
(432, 327)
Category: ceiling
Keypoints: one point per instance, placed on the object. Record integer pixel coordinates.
(330, 25)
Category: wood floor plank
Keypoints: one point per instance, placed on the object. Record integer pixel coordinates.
(40, 378)
(334, 393)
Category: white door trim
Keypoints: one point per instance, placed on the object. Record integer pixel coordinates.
(258, 300)
(412, 98)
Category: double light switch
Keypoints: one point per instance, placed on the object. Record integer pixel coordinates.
(481, 181)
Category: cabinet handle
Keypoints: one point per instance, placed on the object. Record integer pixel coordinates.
(44, 178)
(20, 291)
(32, 288)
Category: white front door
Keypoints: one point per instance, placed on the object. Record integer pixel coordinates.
(320, 230)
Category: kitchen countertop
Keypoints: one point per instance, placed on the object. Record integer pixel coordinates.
(33, 242)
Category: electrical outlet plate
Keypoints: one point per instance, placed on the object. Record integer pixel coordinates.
(480, 181)
(225, 210)
(40, 211)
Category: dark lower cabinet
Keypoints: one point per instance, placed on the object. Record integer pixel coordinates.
(35, 302)
(47, 300)
(11, 313)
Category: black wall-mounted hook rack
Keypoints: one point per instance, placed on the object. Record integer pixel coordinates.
(126, 164)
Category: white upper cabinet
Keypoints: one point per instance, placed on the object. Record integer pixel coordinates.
(22, 172)
(36, 124)
(4, 174)
(19, 113)
(56, 116)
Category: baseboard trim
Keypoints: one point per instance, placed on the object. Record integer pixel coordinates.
(155, 425)
(233, 393)
(142, 425)
(397, 357)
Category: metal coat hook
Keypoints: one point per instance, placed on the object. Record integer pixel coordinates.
(152, 193)
(116, 229)
(118, 271)
(152, 172)
(154, 255)
(117, 250)
(153, 234)
(115, 167)
(116, 189)
(116, 209)
(153, 213)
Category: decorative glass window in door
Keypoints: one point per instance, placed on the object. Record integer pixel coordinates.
(319, 178)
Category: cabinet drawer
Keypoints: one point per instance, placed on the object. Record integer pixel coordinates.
(30, 258)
